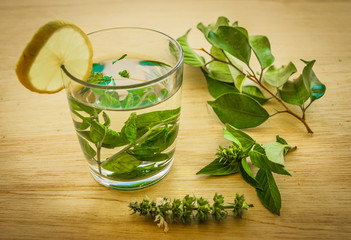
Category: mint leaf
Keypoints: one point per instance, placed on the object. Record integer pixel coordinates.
(217, 168)
(262, 48)
(109, 100)
(122, 163)
(98, 78)
(97, 131)
(85, 135)
(154, 143)
(151, 119)
(294, 92)
(190, 57)
(123, 56)
(114, 139)
(88, 151)
(78, 106)
(233, 40)
(124, 74)
(312, 83)
(278, 76)
(130, 128)
(255, 93)
(269, 195)
(128, 101)
(155, 157)
(259, 159)
(138, 172)
(239, 110)
(247, 174)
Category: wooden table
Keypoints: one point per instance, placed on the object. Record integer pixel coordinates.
(46, 191)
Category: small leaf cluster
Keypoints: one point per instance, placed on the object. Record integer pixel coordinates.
(189, 209)
(111, 99)
(268, 158)
(230, 66)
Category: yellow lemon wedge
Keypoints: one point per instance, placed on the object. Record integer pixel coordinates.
(57, 43)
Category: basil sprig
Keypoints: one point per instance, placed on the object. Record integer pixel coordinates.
(229, 66)
(268, 158)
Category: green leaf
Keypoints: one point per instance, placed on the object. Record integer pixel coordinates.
(259, 159)
(124, 74)
(275, 152)
(255, 93)
(85, 124)
(85, 134)
(222, 71)
(232, 40)
(106, 119)
(221, 21)
(122, 163)
(139, 172)
(156, 157)
(190, 57)
(312, 83)
(128, 101)
(294, 92)
(246, 142)
(269, 195)
(235, 24)
(247, 174)
(123, 56)
(157, 141)
(88, 151)
(78, 106)
(262, 49)
(239, 110)
(156, 117)
(171, 136)
(130, 128)
(109, 100)
(217, 88)
(97, 131)
(239, 81)
(281, 140)
(278, 76)
(114, 139)
(98, 78)
(230, 137)
(219, 169)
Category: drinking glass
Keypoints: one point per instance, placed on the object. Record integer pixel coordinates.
(126, 115)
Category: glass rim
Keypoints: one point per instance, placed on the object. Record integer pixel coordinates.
(164, 76)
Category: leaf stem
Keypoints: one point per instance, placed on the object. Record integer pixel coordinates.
(258, 82)
(98, 156)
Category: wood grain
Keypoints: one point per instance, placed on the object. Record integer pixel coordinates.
(46, 191)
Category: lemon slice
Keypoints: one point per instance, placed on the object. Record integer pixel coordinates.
(57, 43)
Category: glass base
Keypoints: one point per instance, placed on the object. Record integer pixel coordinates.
(130, 185)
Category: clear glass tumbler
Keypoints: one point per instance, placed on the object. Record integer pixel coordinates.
(126, 114)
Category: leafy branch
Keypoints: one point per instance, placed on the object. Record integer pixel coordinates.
(241, 105)
(268, 158)
(164, 211)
